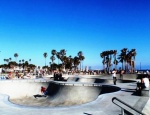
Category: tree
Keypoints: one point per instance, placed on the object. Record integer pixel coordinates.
(52, 58)
(115, 60)
(58, 56)
(62, 58)
(102, 55)
(81, 58)
(53, 52)
(45, 56)
(107, 59)
(9, 59)
(133, 55)
(29, 60)
(16, 56)
(76, 62)
(123, 58)
(23, 63)
(131, 59)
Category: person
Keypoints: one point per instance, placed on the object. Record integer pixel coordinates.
(56, 75)
(43, 91)
(138, 89)
(140, 85)
(147, 72)
(60, 76)
(145, 81)
(114, 76)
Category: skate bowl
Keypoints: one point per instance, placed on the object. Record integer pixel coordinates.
(96, 80)
(22, 92)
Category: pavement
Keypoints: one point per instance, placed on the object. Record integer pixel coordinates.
(22, 91)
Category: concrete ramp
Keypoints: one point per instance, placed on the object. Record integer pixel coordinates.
(72, 95)
(59, 93)
(21, 92)
(20, 89)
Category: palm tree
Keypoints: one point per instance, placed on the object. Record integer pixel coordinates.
(29, 60)
(23, 63)
(115, 60)
(131, 59)
(123, 58)
(106, 60)
(70, 59)
(133, 55)
(52, 58)
(45, 56)
(53, 52)
(22, 60)
(19, 63)
(16, 56)
(102, 55)
(76, 62)
(81, 58)
(62, 54)
(58, 56)
(9, 59)
(5, 60)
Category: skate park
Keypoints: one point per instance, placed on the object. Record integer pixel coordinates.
(79, 95)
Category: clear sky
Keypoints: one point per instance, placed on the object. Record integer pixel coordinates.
(32, 27)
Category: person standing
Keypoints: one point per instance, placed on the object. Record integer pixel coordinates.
(114, 76)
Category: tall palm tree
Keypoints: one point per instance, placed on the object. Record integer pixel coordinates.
(23, 63)
(123, 58)
(22, 60)
(19, 63)
(131, 60)
(102, 55)
(62, 54)
(16, 56)
(9, 59)
(52, 58)
(115, 60)
(4, 60)
(81, 58)
(53, 52)
(58, 56)
(70, 59)
(29, 60)
(45, 56)
(133, 55)
(76, 62)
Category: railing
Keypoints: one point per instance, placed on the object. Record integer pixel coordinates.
(126, 108)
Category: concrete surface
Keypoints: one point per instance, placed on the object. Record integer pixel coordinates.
(101, 106)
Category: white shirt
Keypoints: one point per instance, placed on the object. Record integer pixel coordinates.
(146, 82)
(114, 73)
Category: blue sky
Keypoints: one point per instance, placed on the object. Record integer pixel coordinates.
(32, 27)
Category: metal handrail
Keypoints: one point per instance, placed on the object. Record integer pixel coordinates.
(122, 109)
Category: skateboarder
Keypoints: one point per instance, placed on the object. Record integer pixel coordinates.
(43, 91)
